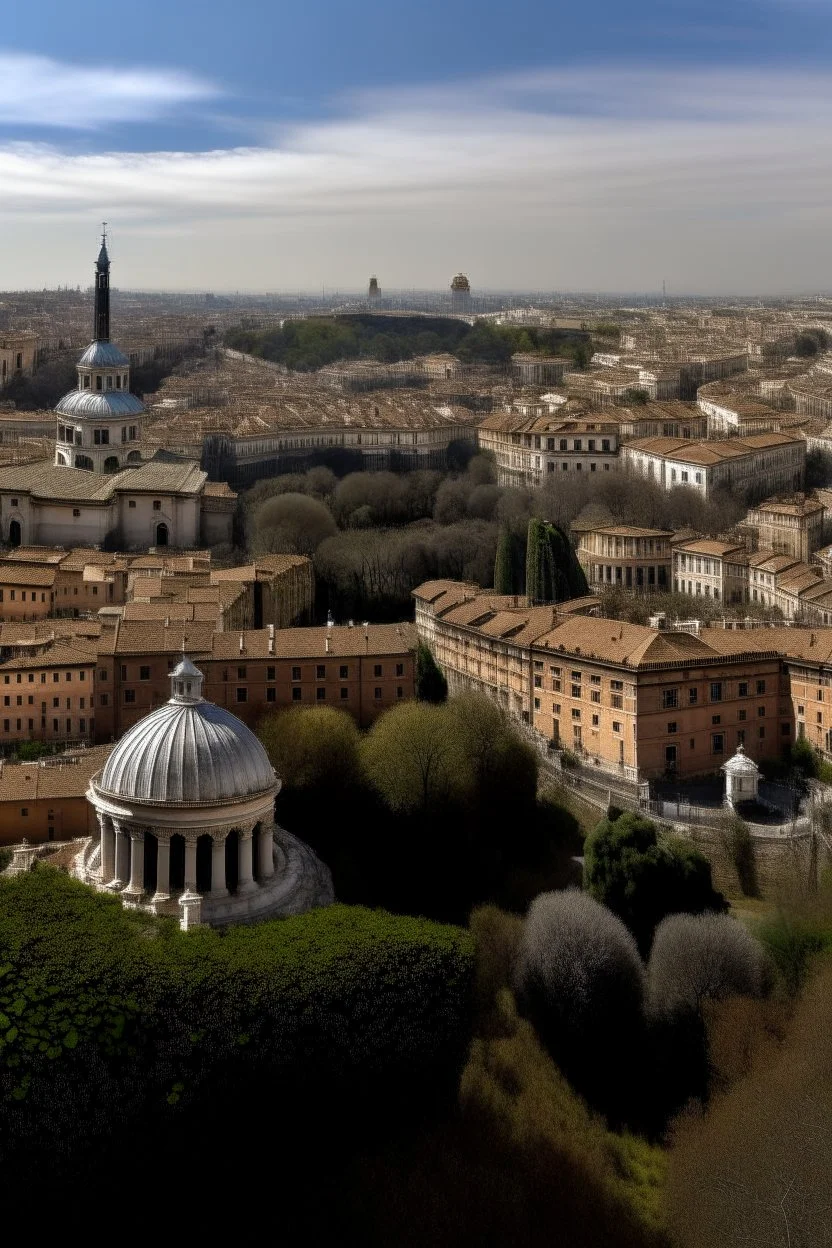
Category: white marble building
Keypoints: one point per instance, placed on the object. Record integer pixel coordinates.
(185, 806)
(98, 490)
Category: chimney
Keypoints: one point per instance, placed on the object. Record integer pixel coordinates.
(326, 644)
(271, 639)
(242, 644)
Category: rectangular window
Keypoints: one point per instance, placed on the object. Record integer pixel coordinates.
(616, 701)
(270, 673)
(400, 694)
(320, 693)
(320, 671)
(718, 743)
(377, 669)
(595, 720)
(616, 727)
(716, 691)
(144, 673)
(761, 732)
(742, 716)
(693, 697)
(242, 695)
(671, 727)
(157, 504)
(104, 699)
(670, 699)
(743, 689)
(295, 673)
(576, 691)
(296, 693)
(595, 695)
(129, 695)
(400, 669)
(716, 719)
(538, 682)
(670, 755)
(343, 672)
(761, 686)
(377, 692)
(271, 695)
(595, 680)
(345, 693)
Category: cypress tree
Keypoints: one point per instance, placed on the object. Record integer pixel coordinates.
(504, 562)
(553, 573)
(431, 685)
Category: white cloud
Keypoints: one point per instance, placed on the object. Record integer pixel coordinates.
(39, 91)
(592, 179)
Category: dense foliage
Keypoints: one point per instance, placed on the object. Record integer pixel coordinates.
(553, 573)
(109, 1018)
(307, 345)
(435, 810)
(697, 958)
(643, 876)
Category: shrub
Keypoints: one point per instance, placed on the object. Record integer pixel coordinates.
(699, 958)
(643, 877)
(580, 979)
(110, 1017)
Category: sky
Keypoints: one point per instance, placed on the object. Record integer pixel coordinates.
(534, 145)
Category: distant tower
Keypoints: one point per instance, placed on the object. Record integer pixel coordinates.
(374, 292)
(101, 326)
(460, 293)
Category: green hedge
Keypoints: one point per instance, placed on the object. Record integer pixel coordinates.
(109, 1017)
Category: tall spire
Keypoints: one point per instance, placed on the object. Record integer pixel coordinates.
(101, 328)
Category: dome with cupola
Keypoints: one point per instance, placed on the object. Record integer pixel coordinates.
(188, 750)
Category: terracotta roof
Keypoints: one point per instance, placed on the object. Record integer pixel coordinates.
(706, 546)
(69, 776)
(707, 453)
(630, 530)
(60, 654)
(300, 643)
(27, 574)
(628, 645)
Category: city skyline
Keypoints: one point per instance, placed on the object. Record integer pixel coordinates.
(301, 149)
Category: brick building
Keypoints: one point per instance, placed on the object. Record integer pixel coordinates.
(47, 800)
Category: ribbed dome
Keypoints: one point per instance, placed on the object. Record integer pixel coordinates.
(188, 751)
(103, 355)
(99, 403)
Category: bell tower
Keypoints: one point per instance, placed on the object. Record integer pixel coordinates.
(101, 328)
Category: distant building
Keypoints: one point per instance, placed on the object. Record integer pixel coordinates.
(789, 526)
(530, 447)
(460, 293)
(97, 490)
(18, 356)
(374, 292)
(706, 568)
(770, 463)
(625, 557)
(538, 370)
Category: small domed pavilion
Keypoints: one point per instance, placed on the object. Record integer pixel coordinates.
(185, 806)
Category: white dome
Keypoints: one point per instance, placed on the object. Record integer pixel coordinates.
(103, 355)
(99, 403)
(740, 764)
(187, 751)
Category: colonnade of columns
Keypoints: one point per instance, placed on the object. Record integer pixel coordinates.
(123, 857)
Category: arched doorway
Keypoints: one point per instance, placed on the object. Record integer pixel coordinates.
(15, 534)
(161, 535)
(84, 461)
(111, 464)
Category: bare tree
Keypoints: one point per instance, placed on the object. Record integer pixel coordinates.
(702, 957)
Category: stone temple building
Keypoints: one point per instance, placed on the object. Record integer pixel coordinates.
(99, 489)
(185, 806)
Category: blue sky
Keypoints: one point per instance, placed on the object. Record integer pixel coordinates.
(276, 146)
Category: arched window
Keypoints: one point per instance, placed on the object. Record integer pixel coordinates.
(161, 535)
(111, 464)
(84, 461)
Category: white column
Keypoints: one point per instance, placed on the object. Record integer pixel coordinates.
(122, 856)
(162, 867)
(136, 884)
(190, 863)
(108, 849)
(218, 886)
(245, 882)
(266, 850)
